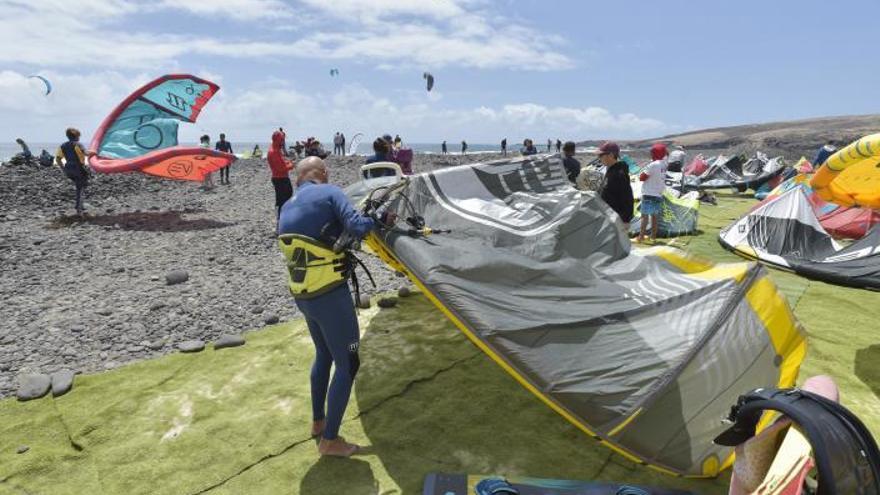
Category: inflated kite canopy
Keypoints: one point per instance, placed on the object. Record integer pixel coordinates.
(643, 351)
(141, 133)
(678, 216)
(847, 222)
(735, 173)
(786, 233)
(852, 175)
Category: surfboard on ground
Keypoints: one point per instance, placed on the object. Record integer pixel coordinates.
(466, 484)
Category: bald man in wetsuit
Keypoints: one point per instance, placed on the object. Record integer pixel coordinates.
(318, 278)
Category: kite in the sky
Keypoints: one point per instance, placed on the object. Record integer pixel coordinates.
(45, 81)
(141, 133)
(429, 80)
(334, 72)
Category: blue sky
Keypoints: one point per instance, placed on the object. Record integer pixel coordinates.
(515, 68)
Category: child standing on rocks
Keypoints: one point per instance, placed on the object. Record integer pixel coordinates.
(71, 157)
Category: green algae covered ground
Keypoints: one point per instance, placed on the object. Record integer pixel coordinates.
(236, 420)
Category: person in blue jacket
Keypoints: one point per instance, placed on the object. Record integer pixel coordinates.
(310, 222)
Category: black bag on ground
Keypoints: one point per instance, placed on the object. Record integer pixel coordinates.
(846, 455)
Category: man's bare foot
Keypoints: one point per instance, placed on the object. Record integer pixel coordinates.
(337, 447)
(318, 427)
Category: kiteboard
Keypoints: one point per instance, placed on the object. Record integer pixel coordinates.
(467, 484)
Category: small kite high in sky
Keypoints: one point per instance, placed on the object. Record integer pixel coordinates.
(45, 81)
(334, 72)
(429, 80)
(140, 134)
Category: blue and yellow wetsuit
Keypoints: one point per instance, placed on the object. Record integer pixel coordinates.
(318, 281)
(74, 158)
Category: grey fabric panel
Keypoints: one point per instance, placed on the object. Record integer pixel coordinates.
(785, 232)
(738, 356)
(542, 274)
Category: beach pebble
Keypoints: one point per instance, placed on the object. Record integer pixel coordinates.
(404, 292)
(62, 382)
(270, 319)
(156, 345)
(257, 310)
(364, 301)
(157, 305)
(175, 277)
(33, 386)
(387, 302)
(77, 328)
(191, 346)
(22, 449)
(228, 341)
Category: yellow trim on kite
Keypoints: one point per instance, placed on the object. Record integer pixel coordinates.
(700, 268)
(384, 253)
(786, 334)
(684, 262)
(617, 429)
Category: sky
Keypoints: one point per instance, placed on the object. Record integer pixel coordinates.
(507, 68)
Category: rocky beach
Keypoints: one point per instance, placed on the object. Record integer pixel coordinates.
(155, 264)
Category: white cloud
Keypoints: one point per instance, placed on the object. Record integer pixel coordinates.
(243, 10)
(373, 10)
(92, 33)
(253, 112)
(77, 100)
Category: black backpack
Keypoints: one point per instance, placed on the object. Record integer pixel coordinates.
(846, 455)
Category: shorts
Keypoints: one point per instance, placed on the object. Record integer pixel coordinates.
(651, 205)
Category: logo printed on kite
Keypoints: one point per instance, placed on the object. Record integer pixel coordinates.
(180, 168)
(146, 140)
(496, 195)
(176, 101)
(190, 90)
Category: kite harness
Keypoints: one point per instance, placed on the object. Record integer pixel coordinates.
(313, 267)
(846, 455)
(317, 266)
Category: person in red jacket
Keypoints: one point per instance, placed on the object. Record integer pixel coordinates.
(280, 167)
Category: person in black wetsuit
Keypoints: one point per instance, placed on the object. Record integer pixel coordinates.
(571, 164)
(309, 223)
(226, 147)
(617, 191)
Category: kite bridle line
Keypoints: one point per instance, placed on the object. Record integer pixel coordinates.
(415, 220)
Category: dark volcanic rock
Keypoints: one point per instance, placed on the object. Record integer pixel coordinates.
(33, 386)
(62, 382)
(229, 341)
(191, 346)
(176, 277)
(387, 302)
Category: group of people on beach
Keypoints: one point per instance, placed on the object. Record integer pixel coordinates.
(339, 144)
(528, 147)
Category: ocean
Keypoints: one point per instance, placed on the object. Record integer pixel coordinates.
(8, 150)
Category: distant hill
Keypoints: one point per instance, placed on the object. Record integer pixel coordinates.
(795, 137)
